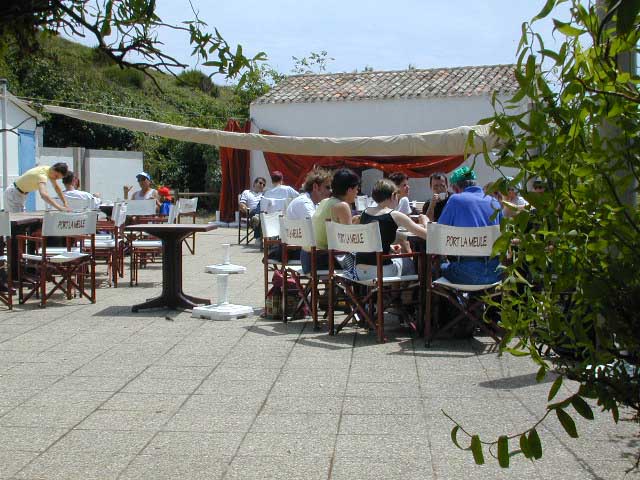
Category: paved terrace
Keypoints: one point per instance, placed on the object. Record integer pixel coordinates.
(95, 391)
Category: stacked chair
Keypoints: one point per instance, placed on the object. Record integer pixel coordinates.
(110, 243)
(67, 268)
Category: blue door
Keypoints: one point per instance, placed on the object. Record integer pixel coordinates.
(27, 160)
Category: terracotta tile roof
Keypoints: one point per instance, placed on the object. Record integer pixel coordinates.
(435, 82)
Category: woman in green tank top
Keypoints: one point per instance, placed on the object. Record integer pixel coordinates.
(344, 189)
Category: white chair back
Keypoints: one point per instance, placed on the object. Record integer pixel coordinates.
(361, 203)
(119, 214)
(141, 207)
(272, 205)
(463, 241)
(187, 205)
(354, 238)
(173, 213)
(270, 224)
(298, 233)
(66, 224)
(80, 204)
(5, 224)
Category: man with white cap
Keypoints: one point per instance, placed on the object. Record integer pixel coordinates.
(145, 192)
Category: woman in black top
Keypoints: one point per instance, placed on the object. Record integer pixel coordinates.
(386, 196)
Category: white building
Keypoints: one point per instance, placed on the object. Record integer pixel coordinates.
(23, 140)
(382, 103)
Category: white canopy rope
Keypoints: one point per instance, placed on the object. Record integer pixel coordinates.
(439, 142)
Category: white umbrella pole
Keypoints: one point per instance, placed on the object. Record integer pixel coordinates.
(5, 154)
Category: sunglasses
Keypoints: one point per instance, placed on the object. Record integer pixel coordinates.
(261, 183)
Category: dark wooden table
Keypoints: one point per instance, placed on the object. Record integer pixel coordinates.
(172, 236)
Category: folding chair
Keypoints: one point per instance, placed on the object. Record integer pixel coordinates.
(366, 298)
(187, 207)
(299, 234)
(110, 243)
(467, 299)
(70, 265)
(5, 232)
(137, 208)
(145, 248)
(244, 219)
(272, 205)
(271, 237)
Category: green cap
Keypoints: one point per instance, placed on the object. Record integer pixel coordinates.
(461, 174)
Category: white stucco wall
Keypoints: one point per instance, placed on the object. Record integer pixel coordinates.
(104, 171)
(20, 120)
(370, 118)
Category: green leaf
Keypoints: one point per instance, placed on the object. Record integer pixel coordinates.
(567, 28)
(582, 407)
(567, 423)
(454, 437)
(503, 451)
(524, 446)
(545, 10)
(554, 388)
(535, 447)
(476, 449)
(542, 371)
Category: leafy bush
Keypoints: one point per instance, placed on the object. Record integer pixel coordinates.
(198, 80)
(125, 76)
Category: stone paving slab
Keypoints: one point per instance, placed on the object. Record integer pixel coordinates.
(96, 391)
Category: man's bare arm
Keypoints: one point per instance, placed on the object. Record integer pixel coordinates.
(42, 189)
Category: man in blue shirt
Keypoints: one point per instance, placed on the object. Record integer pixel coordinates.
(470, 207)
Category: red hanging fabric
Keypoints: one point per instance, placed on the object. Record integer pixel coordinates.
(234, 166)
(296, 167)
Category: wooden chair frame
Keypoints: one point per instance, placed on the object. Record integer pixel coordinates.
(5, 232)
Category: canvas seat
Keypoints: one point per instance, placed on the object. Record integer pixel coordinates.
(367, 299)
(467, 300)
(67, 269)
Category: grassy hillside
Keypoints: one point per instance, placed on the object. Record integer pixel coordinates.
(77, 76)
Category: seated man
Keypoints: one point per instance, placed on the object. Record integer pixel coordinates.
(279, 189)
(440, 195)
(145, 192)
(249, 204)
(317, 187)
(469, 206)
(70, 181)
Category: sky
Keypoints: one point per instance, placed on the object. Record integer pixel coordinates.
(389, 35)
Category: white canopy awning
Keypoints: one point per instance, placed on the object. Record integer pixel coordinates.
(440, 142)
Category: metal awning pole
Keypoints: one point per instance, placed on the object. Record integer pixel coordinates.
(5, 154)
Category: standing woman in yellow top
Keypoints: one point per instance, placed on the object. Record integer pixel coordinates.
(34, 179)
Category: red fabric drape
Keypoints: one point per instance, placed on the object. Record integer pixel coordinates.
(234, 165)
(296, 167)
